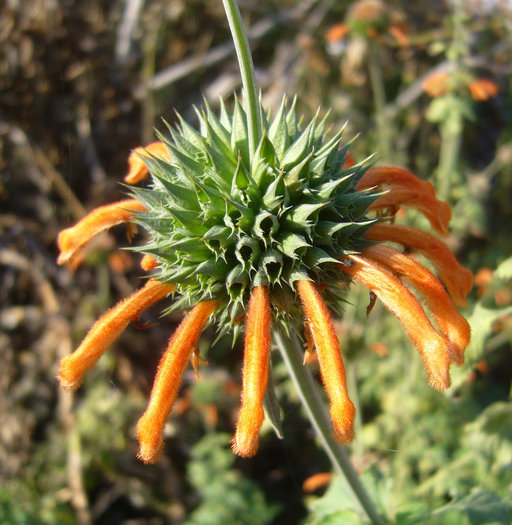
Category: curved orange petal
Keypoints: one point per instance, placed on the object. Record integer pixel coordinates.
(71, 240)
(457, 279)
(432, 347)
(330, 360)
(137, 169)
(106, 330)
(449, 321)
(437, 212)
(168, 379)
(255, 373)
(385, 175)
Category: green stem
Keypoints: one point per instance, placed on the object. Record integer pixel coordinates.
(450, 133)
(243, 53)
(292, 354)
(379, 102)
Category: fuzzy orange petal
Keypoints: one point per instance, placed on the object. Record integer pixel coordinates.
(71, 240)
(482, 89)
(457, 279)
(137, 169)
(255, 373)
(449, 321)
(168, 379)
(432, 347)
(106, 330)
(437, 212)
(330, 360)
(384, 175)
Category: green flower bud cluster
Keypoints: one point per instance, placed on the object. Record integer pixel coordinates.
(222, 220)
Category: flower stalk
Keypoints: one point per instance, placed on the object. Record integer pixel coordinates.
(291, 352)
(243, 53)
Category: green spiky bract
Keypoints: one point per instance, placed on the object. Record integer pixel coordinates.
(220, 223)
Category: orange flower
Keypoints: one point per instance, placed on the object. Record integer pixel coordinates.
(106, 330)
(383, 176)
(482, 89)
(137, 169)
(168, 379)
(433, 348)
(331, 364)
(72, 240)
(406, 190)
(255, 373)
(436, 84)
(336, 33)
(457, 279)
(450, 323)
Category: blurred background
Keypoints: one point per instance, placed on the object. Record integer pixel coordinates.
(423, 84)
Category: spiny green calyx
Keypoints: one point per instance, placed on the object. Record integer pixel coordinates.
(221, 222)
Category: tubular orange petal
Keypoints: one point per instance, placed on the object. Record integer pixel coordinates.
(255, 373)
(71, 240)
(451, 324)
(168, 379)
(330, 360)
(432, 347)
(384, 175)
(137, 168)
(437, 212)
(457, 279)
(316, 481)
(106, 330)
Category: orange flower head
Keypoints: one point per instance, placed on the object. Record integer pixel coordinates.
(261, 241)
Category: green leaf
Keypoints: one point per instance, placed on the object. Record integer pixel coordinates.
(278, 132)
(315, 256)
(481, 321)
(299, 149)
(225, 117)
(274, 195)
(272, 264)
(291, 121)
(504, 270)
(298, 215)
(290, 243)
(239, 133)
(298, 175)
(265, 226)
(481, 506)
